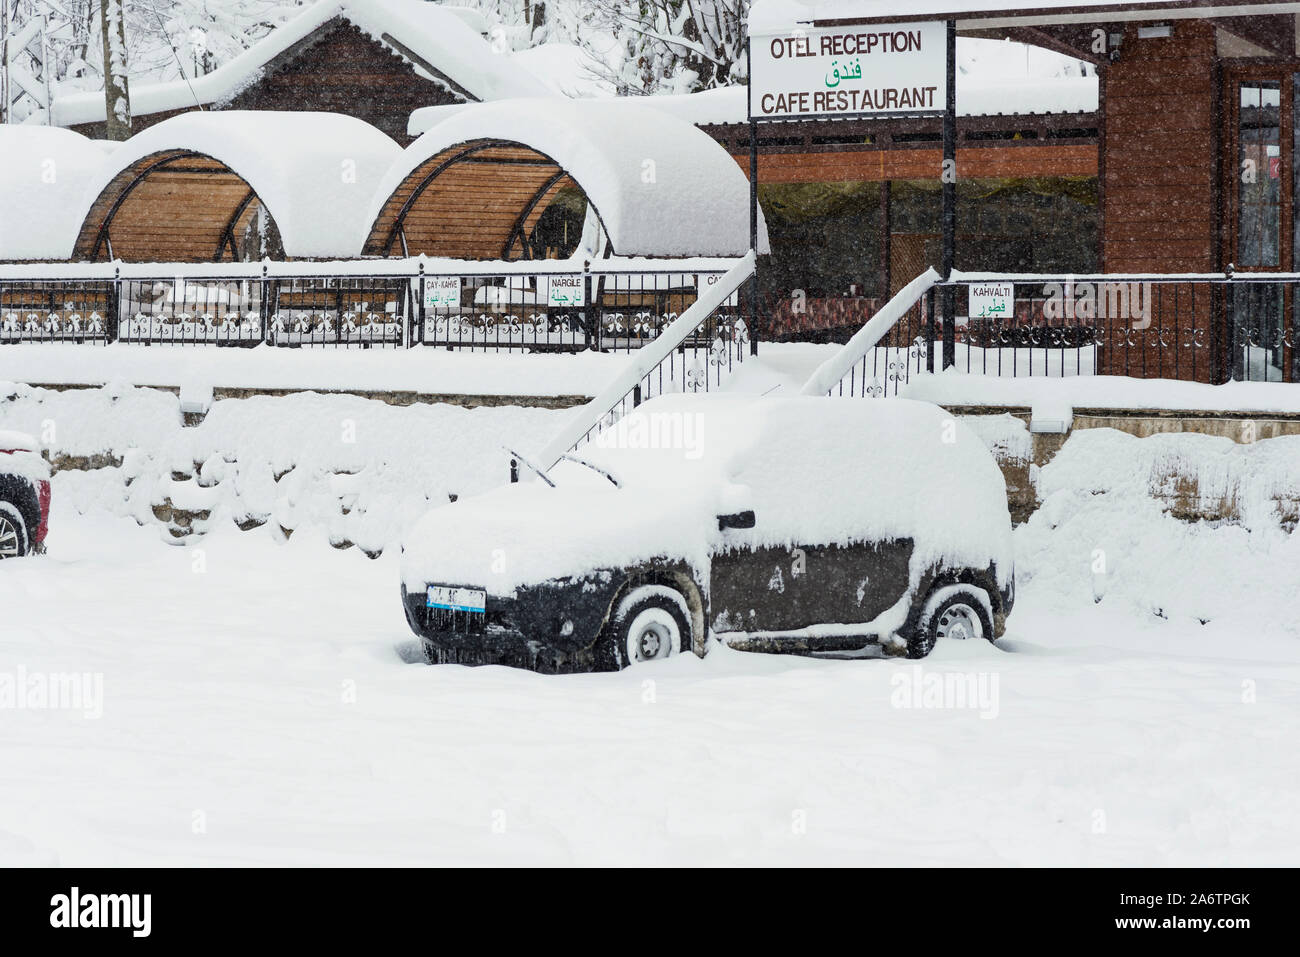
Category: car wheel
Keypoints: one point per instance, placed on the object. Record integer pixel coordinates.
(650, 624)
(13, 536)
(952, 612)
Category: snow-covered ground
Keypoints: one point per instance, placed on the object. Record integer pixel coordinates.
(259, 706)
(422, 370)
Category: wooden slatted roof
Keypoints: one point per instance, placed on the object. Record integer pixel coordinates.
(174, 206)
(475, 200)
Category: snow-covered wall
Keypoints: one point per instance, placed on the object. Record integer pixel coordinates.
(357, 469)
(1113, 528)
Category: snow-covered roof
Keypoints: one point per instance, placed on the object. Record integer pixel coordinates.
(996, 84)
(566, 68)
(43, 175)
(438, 35)
(662, 187)
(473, 18)
(315, 172)
(776, 16)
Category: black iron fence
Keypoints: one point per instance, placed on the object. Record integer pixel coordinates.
(1210, 328)
(605, 306)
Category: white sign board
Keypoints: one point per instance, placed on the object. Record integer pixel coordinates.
(707, 280)
(849, 71)
(441, 292)
(566, 291)
(992, 300)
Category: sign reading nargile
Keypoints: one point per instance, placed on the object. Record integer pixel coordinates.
(849, 71)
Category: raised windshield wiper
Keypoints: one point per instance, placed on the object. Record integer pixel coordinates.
(541, 474)
(595, 468)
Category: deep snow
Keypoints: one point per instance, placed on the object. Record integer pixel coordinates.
(261, 704)
(257, 710)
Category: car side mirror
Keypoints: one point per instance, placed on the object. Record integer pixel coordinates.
(738, 520)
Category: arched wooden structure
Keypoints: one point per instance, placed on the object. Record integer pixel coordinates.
(187, 189)
(173, 206)
(475, 185)
(474, 200)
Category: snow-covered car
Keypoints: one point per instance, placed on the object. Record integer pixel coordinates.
(24, 495)
(778, 524)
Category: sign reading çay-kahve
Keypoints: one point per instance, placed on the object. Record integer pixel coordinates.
(847, 71)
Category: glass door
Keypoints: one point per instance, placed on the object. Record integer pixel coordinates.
(1263, 224)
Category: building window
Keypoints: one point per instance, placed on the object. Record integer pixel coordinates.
(1259, 191)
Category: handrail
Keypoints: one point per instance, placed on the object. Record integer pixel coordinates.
(829, 374)
(644, 361)
(409, 268)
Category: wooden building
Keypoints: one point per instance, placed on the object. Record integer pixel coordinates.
(376, 60)
(1198, 145)
(852, 206)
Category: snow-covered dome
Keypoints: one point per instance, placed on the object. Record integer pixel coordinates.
(315, 173)
(45, 173)
(660, 186)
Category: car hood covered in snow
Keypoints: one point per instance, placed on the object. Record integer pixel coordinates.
(815, 471)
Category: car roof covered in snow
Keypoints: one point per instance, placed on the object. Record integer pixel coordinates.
(45, 172)
(661, 186)
(815, 471)
(818, 469)
(424, 34)
(315, 172)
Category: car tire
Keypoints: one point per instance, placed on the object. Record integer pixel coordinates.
(651, 623)
(951, 612)
(13, 533)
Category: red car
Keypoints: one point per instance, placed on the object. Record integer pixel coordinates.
(24, 496)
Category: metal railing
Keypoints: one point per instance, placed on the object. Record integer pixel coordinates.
(695, 353)
(610, 305)
(1210, 328)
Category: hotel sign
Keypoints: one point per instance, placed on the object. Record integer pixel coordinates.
(849, 71)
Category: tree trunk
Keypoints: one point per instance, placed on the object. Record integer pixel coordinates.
(117, 95)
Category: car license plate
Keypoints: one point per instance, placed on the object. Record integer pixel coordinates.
(472, 600)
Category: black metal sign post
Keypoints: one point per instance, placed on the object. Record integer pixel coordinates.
(950, 203)
(948, 179)
(753, 201)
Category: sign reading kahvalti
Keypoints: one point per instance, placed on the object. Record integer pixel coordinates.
(849, 71)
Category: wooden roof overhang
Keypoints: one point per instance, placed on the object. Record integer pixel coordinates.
(172, 206)
(475, 200)
(834, 150)
(1069, 28)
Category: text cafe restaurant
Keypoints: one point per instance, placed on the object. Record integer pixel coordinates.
(1197, 133)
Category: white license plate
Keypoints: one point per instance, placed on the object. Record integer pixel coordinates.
(456, 599)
